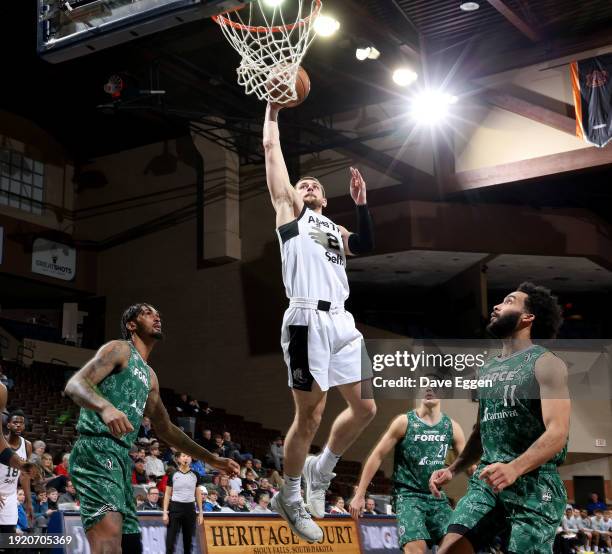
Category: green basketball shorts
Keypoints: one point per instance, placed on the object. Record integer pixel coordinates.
(421, 517)
(530, 511)
(101, 472)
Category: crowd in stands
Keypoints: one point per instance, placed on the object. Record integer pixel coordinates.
(587, 529)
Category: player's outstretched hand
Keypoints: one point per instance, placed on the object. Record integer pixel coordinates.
(116, 421)
(358, 187)
(356, 506)
(499, 476)
(438, 479)
(226, 464)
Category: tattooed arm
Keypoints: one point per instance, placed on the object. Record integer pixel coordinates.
(82, 385)
(171, 434)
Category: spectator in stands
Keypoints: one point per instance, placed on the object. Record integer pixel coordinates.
(197, 466)
(220, 447)
(338, 506)
(145, 431)
(601, 534)
(22, 519)
(249, 479)
(69, 497)
(151, 503)
(62, 469)
(133, 453)
(139, 475)
(163, 482)
(234, 448)
(275, 479)
(585, 527)
(38, 449)
(370, 508)
(142, 453)
(207, 441)
(154, 467)
(140, 499)
(212, 503)
(595, 504)
(258, 468)
(231, 501)
(263, 500)
(235, 483)
(42, 511)
(223, 488)
(243, 505)
(187, 406)
(265, 487)
(168, 457)
(277, 453)
(52, 497)
(46, 467)
(247, 465)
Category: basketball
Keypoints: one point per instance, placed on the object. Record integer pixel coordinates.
(279, 91)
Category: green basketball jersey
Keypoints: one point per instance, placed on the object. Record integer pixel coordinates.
(511, 410)
(422, 451)
(128, 391)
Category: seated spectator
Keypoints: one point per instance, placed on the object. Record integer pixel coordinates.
(69, 497)
(243, 505)
(42, 512)
(152, 501)
(595, 504)
(247, 465)
(235, 483)
(62, 469)
(233, 449)
(145, 431)
(141, 453)
(232, 499)
(187, 406)
(277, 454)
(139, 476)
(168, 457)
(52, 496)
(46, 468)
(223, 488)
(586, 528)
(370, 508)
(207, 441)
(154, 467)
(263, 500)
(212, 502)
(220, 447)
(258, 468)
(197, 466)
(38, 449)
(22, 519)
(338, 506)
(140, 499)
(266, 488)
(249, 479)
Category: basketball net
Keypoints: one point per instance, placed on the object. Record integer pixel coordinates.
(271, 46)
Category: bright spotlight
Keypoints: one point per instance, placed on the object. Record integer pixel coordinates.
(367, 53)
(404, 76)
(326, 26)
(273, 3)
(430, 107)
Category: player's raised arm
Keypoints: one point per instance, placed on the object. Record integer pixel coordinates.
(390, 438)
(361, 242)
(287, 203)
(171, 434)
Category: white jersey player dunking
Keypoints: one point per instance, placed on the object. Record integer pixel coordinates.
(321, 346)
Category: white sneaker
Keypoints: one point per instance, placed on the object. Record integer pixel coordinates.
(316, 487)
(297, 517)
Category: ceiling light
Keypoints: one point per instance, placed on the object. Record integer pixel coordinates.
(326, 26)
(367, 53)
(469, 6)
(430, 107)
(404, 76)
(273, 3)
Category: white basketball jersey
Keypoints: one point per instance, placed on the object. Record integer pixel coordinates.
(314, 262)
(9, 477)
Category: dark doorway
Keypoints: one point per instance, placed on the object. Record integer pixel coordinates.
(584, 486)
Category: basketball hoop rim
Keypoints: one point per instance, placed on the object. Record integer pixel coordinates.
(222, 20)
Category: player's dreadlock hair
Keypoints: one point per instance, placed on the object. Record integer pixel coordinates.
(130, 314)
(546, 309)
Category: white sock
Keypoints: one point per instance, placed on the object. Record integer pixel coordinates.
(292, 489)
(326, 462)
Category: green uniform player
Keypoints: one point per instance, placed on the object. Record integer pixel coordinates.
(421, 439)
(520, 436)
(115, 389)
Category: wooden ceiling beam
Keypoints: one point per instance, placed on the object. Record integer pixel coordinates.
(518, 22)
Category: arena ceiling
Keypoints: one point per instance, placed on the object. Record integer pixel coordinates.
(195, 67)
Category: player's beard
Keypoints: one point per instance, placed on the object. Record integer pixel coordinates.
(504, 325)
(313, 203)
(157, 335)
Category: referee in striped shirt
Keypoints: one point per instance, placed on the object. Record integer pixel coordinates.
(182, 491)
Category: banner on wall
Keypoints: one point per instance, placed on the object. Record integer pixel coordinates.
(271, 535)
(379, 535)
(53, 259)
